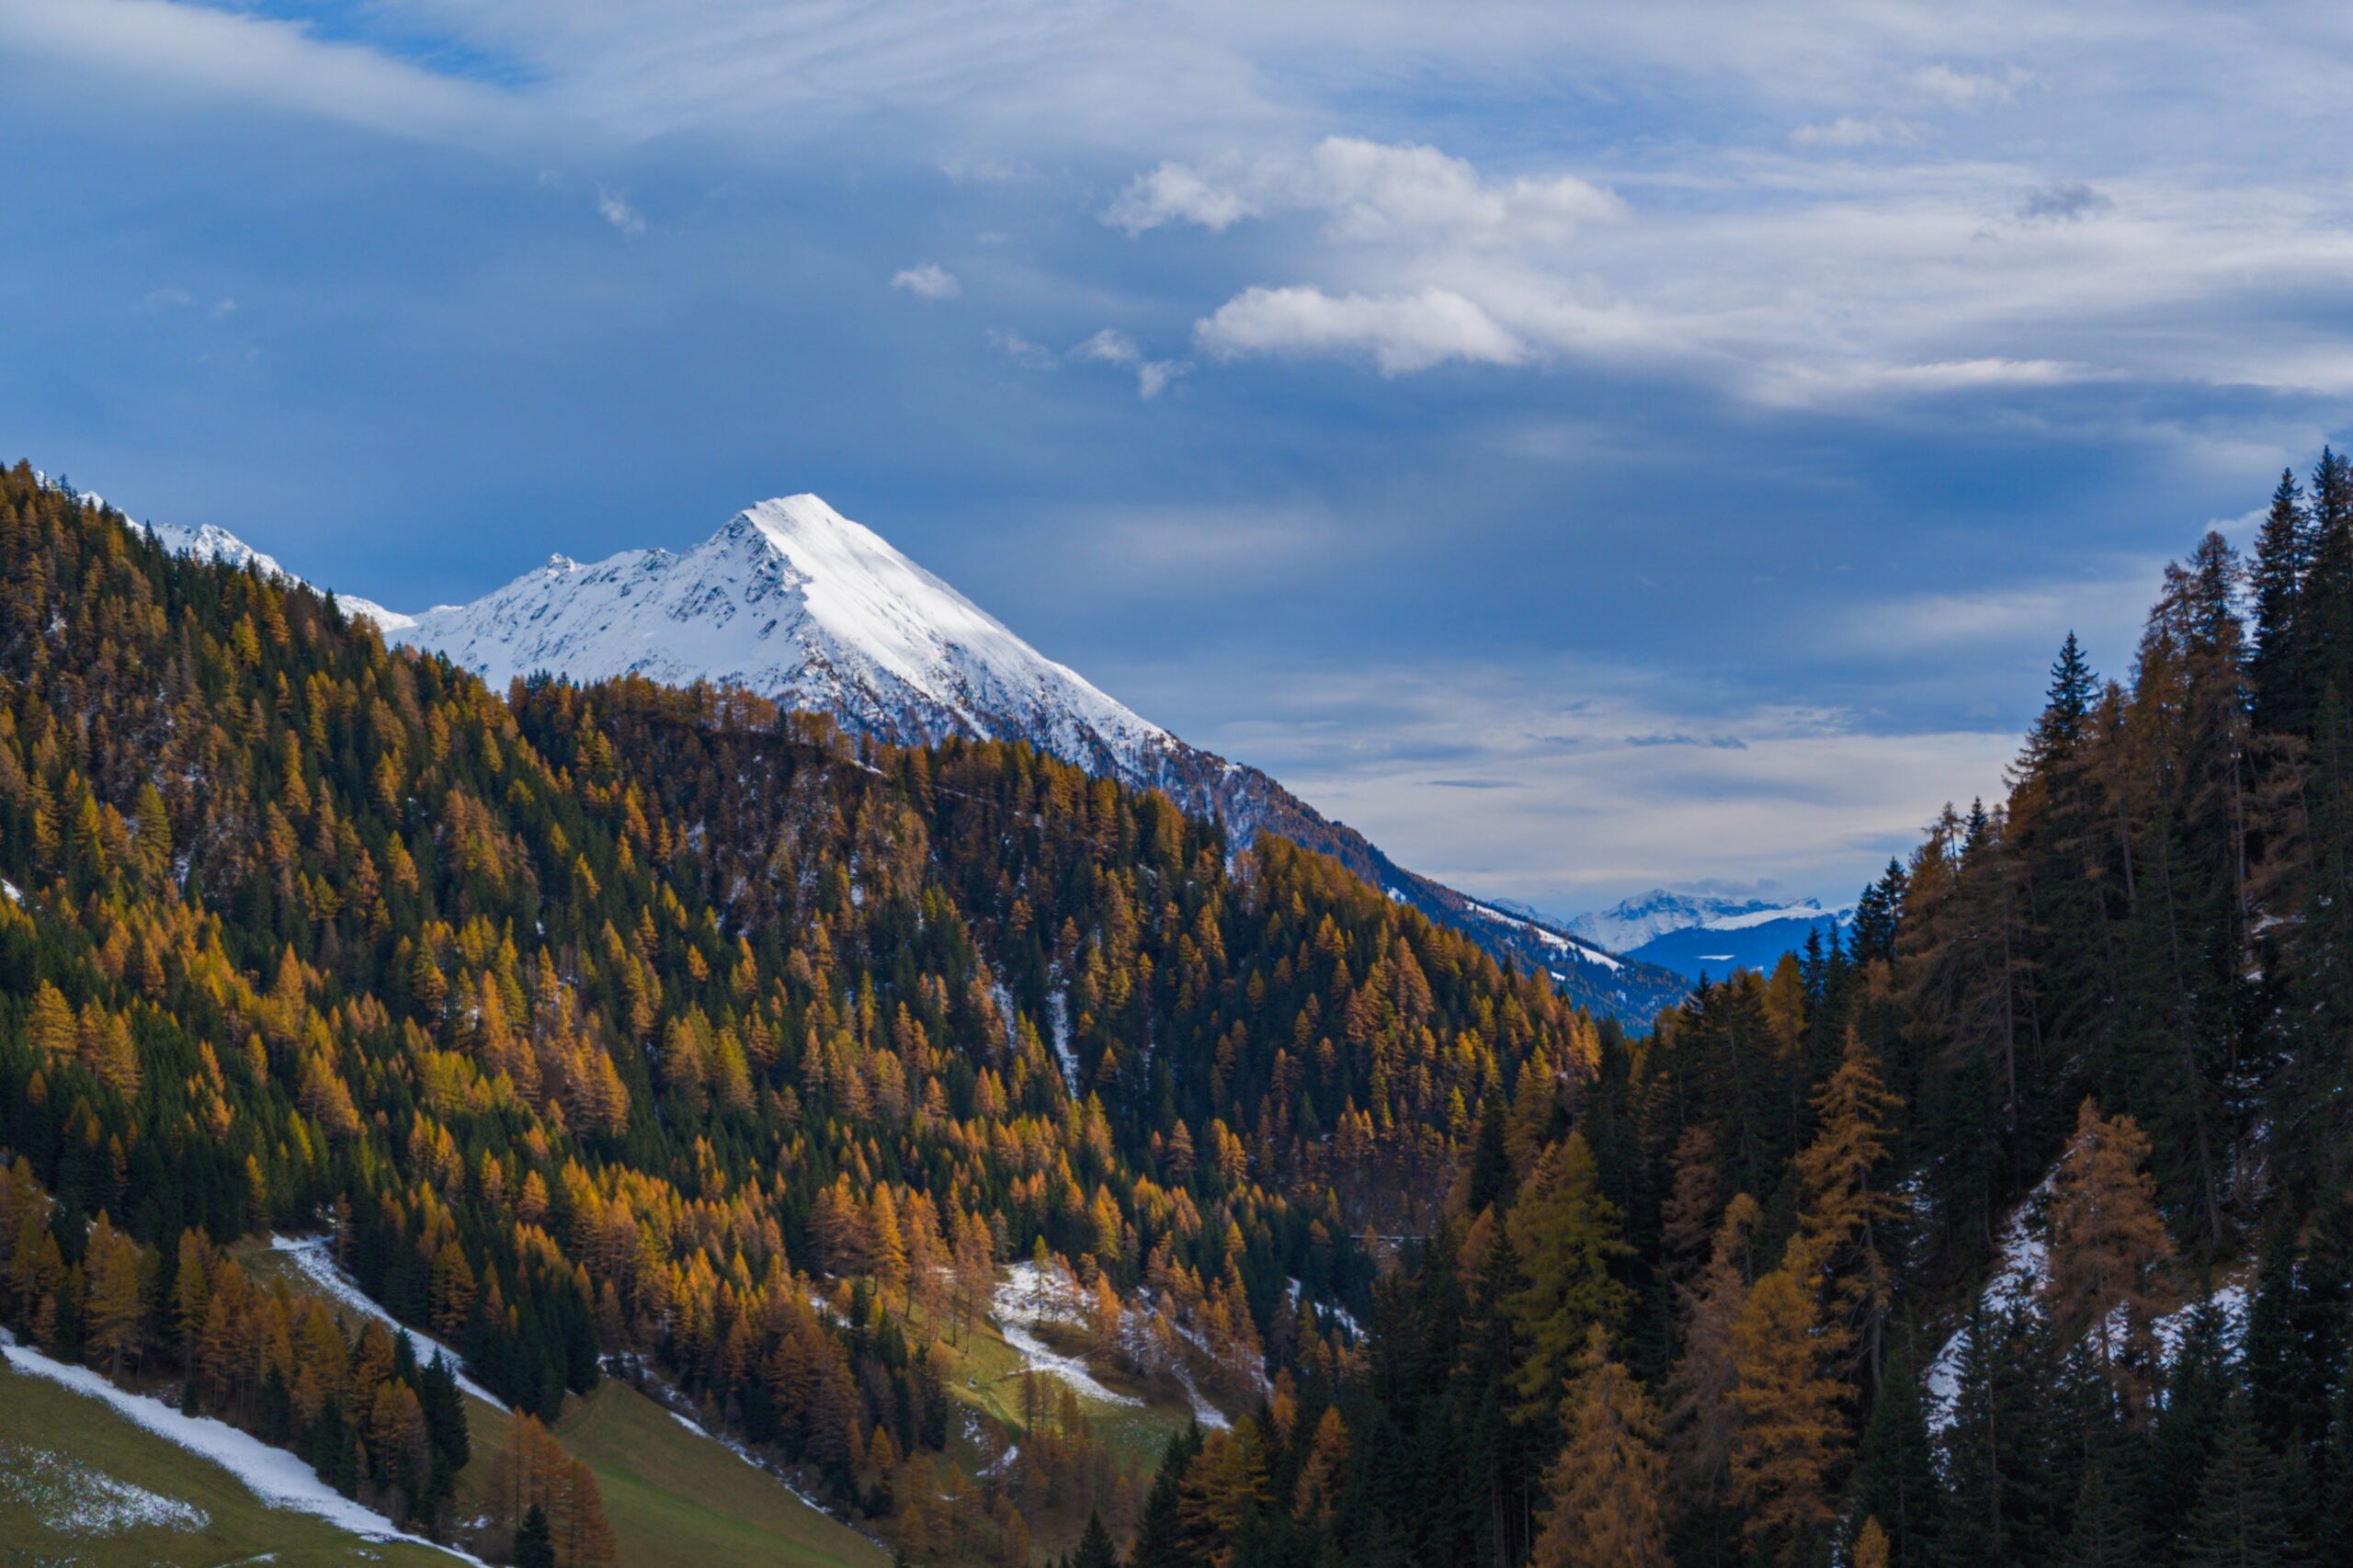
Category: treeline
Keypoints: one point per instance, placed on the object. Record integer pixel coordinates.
(1719, 1301)
(620, 1025)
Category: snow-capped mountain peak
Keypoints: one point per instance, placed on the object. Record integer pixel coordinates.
(1646, 917)
(793, 600)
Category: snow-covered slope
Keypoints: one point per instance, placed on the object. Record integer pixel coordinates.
(795, 601)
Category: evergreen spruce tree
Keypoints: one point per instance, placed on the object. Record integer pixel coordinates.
(1895, 1474)
(2241, 1520)
(2199, 1393)
(1997, 1457)
(534, 1539)
(2107, 1532)
(2279, 667)
(1095, 1548)
(1160, 1535)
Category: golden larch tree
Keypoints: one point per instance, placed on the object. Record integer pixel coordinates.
(1607, 1507)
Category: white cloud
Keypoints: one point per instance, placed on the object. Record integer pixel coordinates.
(1021, 351)
(1964, 89)
(1848, 130)
(2105, 610)
(1111, 346)
(1369, 191)
(1806, 385)
(262, 60)
(1154, 376)
(1618, 780)
(928, 281)
(1400, 332)
(617, 211)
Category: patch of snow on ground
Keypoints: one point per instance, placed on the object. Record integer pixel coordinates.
(275, 1476)
(1207, 1414)
(1058, 1019)
(2017, 1279)
(15, 895)
(310, 1255)
(72, 1499)
(2231, 1301)
(1550, 939)
(1031, 1296)
(1332, 1309)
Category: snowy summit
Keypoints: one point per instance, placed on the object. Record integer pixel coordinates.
(797, 602)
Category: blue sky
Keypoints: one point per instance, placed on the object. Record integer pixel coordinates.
(1584, 447)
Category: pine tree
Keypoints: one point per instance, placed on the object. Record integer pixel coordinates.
(1160, 1535)
(1997, 1467)
(2241, 1520)
(1789, 1433)
(1701, 1415)
(1843, 1216)
(1566, 1237)
(1095, 1548)
(2199, 1392)
(2108, 1244)
(2279, 667)
(2107, 1532)
(534, 1540)
(1605, 1505)
(1895, 1475)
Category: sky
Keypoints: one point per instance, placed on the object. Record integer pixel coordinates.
(1586, 446)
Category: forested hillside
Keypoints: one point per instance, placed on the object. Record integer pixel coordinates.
(658, 1030)
(2013, 1229)
(620, 1025)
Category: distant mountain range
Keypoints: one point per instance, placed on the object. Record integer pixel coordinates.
(798, 602)
(1696, 933)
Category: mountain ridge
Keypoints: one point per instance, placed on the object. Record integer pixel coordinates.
(1701, 934)
(793, 600)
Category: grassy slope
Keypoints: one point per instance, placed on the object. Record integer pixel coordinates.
(676, 1498)
(38, 1415)
(672, 1498)
(987, 1379)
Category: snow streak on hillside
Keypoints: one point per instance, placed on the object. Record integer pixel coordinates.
(275, 1476)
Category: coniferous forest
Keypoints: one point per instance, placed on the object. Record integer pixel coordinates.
(623, 1031)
